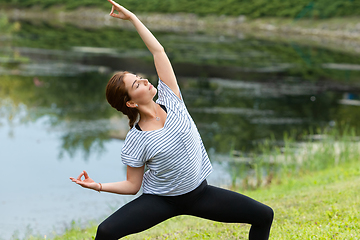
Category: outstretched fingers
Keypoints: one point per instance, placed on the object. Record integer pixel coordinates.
(76, 181)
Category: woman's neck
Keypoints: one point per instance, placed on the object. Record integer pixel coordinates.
(149, 112)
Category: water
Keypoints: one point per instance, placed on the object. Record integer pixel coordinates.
(38, 196)
(55, 122)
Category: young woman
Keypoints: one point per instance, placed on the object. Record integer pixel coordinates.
(166, 140)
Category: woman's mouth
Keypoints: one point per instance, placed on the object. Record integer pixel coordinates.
(150, 87)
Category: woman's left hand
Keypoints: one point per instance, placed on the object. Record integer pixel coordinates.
(123, 14)
(87, 182)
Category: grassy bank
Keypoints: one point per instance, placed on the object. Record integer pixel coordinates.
(321, 205)
(338, 27)
(253, 9)
(297, 154)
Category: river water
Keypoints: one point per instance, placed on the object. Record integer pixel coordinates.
(39, 198)
(55, 122)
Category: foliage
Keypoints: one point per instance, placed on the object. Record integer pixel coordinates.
(7, 27)
(253, 9)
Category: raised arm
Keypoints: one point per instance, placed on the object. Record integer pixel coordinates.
(162, 63)
(130, 186)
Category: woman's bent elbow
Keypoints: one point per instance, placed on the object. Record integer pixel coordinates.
(134, 192)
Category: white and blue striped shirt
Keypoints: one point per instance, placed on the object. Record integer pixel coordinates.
(175, 156)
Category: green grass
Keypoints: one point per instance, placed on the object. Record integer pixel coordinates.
(319, 205)
(297, 155)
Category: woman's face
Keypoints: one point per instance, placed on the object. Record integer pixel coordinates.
(139, 89)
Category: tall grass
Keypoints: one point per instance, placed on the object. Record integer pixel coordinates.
(276, 161)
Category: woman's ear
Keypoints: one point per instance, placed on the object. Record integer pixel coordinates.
(131, 104)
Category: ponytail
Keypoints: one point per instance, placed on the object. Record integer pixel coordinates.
(117, 96)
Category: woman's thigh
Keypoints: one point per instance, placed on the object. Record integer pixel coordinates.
(136, 216)
(227, 206)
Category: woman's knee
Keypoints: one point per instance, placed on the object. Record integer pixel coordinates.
(104, 232)
(268, 215)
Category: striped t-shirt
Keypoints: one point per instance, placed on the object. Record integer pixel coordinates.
(175, 156)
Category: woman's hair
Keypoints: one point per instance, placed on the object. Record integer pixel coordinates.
(117, 96)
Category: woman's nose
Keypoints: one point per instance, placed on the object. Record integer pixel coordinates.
(146, 82)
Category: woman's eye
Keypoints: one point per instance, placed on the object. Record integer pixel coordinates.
(138, 85)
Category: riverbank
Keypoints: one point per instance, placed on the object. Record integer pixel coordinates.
(320, 205)
(345, 28)
(342, 34)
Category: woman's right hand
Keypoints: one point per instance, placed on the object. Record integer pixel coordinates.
(87, 182)
(123, 14)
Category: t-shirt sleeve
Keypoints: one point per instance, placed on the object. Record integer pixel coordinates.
(167, 97)
(131, 161)
(133, 151)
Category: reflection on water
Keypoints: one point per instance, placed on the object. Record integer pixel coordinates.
(238, 90)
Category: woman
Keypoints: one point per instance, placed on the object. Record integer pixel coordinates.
(166, 140)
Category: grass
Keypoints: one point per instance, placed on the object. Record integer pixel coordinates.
(319, 205)
(322, 205)
(296, 155)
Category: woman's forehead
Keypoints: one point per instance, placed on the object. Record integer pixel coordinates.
(129, 78)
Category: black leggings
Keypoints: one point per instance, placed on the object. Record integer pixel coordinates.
(205, 201)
